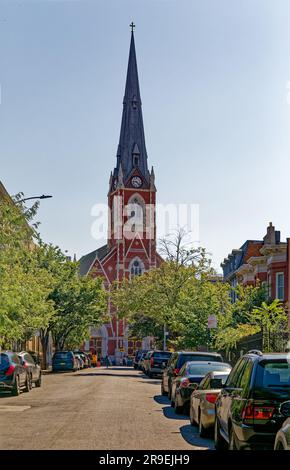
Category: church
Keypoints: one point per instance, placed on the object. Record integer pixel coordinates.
(131, 242)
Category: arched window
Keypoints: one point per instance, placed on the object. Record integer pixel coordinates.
(136, 205)
(136, 267)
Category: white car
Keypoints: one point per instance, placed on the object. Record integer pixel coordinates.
(282, 441)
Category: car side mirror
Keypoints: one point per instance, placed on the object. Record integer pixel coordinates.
(285, 409)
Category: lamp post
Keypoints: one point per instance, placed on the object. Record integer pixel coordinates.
(44, 196)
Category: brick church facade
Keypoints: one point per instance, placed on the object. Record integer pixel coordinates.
(131, 244)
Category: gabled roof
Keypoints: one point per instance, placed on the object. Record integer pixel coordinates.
(87, 261)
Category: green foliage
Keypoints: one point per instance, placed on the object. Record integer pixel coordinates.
(41, 289)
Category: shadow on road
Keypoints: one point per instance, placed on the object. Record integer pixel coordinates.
(161, 400)
(191, 435)
(148, 381)
(103, 374)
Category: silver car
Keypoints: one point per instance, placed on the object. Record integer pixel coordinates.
(202, 400)
(282, 441)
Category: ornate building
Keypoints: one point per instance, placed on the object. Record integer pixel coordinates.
(263, 261)
(131, 244)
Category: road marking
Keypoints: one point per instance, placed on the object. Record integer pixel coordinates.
(13, 408)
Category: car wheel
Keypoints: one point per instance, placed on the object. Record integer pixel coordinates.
(232, 440)
(163, 393)
(30, 382)
(219, 441)
(27, 387)
(279, 446)
(191, 418)
(16, 388)
(38, 382)
(203, 432)
(178, 409)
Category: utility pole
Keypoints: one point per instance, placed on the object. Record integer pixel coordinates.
(164, 337)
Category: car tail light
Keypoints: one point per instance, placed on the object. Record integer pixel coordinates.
(211, 397)
(184, 383)
(176, 371)
(10, 370)
(255, 412)
(151, 361)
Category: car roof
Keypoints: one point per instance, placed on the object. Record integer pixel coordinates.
(198, 353)
(269, 356)
(200, 363)
(160, 351)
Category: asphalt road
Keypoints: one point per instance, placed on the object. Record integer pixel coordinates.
(106, 409)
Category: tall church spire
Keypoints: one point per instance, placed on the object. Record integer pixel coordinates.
(131, 154)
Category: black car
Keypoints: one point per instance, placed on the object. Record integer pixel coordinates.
(157, 362)
(248, 407)
(190, 375)
(177, 360)
(13, 375)
(33, 369)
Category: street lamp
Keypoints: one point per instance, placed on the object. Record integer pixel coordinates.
(44, 196)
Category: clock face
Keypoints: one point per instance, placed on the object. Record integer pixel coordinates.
(136, 181)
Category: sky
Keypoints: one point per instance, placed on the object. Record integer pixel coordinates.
(215, 87)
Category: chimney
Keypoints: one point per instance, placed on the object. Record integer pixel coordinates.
(270, 237)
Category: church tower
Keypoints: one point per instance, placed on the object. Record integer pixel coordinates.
(131, 244)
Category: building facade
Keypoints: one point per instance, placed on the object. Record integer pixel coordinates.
(131, 243)
(263, 261)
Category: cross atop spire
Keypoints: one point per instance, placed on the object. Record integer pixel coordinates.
(132, 25)
(132, 131)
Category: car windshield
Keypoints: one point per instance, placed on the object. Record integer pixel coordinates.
(203, 369)
(4, 359)
(62, 355)
(196, 357)
(162, 355)
(223, 377)
(273, 374)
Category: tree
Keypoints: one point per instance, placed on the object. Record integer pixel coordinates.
(24, 287)
(179, 294)
(272, 320)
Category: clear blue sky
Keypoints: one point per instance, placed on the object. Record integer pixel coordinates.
(213, 77)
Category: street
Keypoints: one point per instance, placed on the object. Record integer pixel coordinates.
(106, 409)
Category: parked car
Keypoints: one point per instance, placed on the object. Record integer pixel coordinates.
(177, 360)
(33, 369)
(146, 361)
(156, 362)
(137, 358)
(202, 400)
(13, 375)
(64, 361)
(188, 379)
(85, 358)
(282, 441)
(141, 361)
(80, 361)
(247, 409)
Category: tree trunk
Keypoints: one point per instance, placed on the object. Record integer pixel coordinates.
(44, 337)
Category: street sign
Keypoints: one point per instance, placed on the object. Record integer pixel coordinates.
(212, 321)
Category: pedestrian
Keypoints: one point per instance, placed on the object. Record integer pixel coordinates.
(107, 361)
